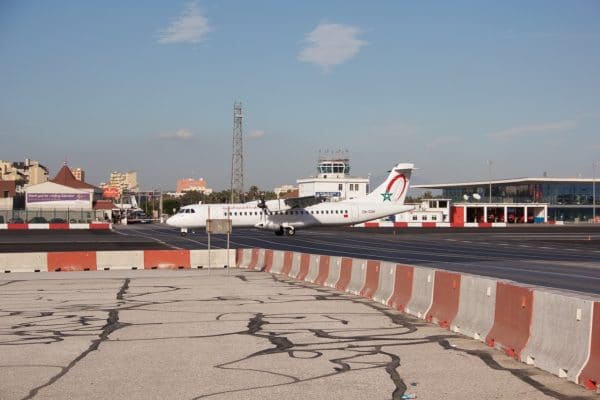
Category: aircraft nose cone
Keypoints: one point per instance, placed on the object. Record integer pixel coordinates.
(170, 221)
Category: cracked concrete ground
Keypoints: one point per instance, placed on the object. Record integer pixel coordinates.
(235, 334)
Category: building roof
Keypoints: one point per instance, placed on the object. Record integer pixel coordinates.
(66, 178)
(104, 205)
(8, 186)
(504, 181)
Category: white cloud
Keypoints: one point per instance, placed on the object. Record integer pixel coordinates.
(444, 141)
(256, 134)
(190, 27)
(537, 129)
(181, 134)
(331, 44)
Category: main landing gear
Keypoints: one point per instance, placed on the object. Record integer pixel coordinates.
(289, 231)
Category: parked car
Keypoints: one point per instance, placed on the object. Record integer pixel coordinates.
(138, 217)
(16, 220)
(58, 221)
(38, 220)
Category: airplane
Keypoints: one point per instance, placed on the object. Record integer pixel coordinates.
(287, 215)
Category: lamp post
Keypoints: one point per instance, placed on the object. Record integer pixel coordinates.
(595, 164)
(489, 163)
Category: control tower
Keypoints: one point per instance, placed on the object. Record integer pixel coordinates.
(333, 179)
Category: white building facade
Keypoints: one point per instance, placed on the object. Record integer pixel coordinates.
(333, 181)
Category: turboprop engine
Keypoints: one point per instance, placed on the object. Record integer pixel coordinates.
(279, 229)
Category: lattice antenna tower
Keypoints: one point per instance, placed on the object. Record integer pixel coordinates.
(237, 156)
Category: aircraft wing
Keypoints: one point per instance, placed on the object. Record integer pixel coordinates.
(303, 202)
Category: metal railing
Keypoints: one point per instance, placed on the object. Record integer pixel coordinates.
(72, 216)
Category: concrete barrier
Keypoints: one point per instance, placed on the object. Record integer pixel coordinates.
(403, 287)
(219, 258)
(268, 263)
(277, 263)
(422, 292)
(167, 259)
(558, 316)
(17, 227)
(23, 262)
(72, 261)
(512, 319)
(100, 226)
(357, 279)
(335, 265)
(79, 226)
(296, 260)
(345, 274)
(476, 308)
(258, 259)
(371, 279)
(39, 226)
(323, 274)
(590, 375)
(288, 261)
(385, 286)
(313, 268)
(253, 259)
(304, 266)
(246, 258)
(125, 259)
(446, 295)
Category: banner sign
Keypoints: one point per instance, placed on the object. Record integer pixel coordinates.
(328, 194)
(50, 197)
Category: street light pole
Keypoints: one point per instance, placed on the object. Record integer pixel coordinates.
(594, 165)
(489, 163)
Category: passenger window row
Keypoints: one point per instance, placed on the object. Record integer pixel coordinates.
(292, 212)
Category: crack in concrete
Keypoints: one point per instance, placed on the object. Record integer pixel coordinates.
(522, 374)
(112, 324)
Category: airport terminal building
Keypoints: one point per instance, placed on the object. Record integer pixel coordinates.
(567, 199)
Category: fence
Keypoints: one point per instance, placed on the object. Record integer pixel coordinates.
(72, 216)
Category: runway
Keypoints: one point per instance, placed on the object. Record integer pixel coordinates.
(564, 257)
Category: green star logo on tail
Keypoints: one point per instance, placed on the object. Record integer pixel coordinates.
(387, 196)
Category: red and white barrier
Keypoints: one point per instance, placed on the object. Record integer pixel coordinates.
(555, 331)
(313, 268)
(278, 260)
(295, 269)
(529, 324)
(390, 224)
(109, 260)
(55, 226)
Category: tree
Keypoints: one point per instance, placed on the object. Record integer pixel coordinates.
(253, 193)
(192, 197)
(171, 204)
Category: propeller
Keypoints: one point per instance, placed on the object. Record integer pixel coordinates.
(262, 204)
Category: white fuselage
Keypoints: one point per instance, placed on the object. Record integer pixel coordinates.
(250, 215)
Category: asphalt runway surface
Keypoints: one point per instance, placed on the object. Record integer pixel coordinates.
(564, 257)
(236, 334)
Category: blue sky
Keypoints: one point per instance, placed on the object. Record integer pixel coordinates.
(150, 86)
